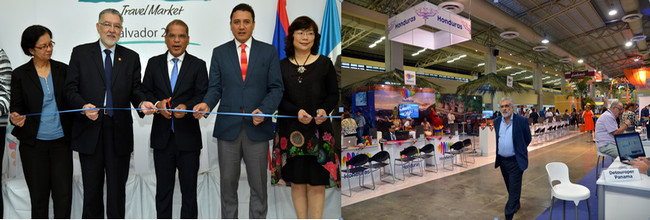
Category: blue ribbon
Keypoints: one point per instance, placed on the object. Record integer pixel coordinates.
(176, 110)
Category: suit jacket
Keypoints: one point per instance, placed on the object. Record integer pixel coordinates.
(386, 136)
(262, 89)
(85, 84)
(27, 98)
(191, 85)
(520, 139)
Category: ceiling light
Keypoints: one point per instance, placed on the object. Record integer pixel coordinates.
(461, 56)
(636, 59)
(518, 63)
(419, 51)
(628, 44)
(580, 61)
(480, 64)
(613, 12)
(450, 61)
(378, 41)
(508, 67)
(545, 41)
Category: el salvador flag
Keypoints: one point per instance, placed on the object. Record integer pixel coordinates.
(330, 41)
(281, 29)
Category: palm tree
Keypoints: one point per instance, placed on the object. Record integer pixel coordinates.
(580, 91)
(491, 84)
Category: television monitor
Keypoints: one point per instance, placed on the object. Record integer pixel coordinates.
(361, 99)
(487, 113)
(409, 110)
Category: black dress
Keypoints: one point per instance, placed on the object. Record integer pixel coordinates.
(306, 154)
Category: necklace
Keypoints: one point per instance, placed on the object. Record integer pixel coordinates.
(301, 68)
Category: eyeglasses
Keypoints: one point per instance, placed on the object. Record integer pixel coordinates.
(304, 33)
(46, 46)
(109, 25)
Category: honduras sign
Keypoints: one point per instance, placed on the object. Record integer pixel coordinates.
(443, 29)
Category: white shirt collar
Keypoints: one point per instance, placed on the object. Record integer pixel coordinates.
(180, 58)
(248, 43)
(102, 47)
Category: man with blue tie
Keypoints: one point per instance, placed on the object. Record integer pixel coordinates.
(245, 77)
(513, 138)
(175, 80)
(103, 73)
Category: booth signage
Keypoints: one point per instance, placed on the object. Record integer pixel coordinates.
(621, 175)
(509, 81)
(409, 77)
(443, 29)
(579, 74)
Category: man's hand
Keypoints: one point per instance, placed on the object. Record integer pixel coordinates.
(162, 104)
(320, 116)
(304, 117)
(91, 114)
(628, 122)
(257, 120)
(17, 119)
(201, 107)
(642, 163)
(148, 108)
(180, 114)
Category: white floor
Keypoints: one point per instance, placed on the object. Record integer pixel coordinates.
(360, 194)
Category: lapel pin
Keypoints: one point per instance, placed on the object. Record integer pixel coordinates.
(119, 58)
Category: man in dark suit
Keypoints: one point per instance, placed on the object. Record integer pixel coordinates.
(513, 137)
(176, 80)
(103, 73)
(390, 135)
(244, 84)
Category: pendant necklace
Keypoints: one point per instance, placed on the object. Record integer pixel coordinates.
(301, 68)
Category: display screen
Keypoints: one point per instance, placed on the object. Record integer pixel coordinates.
(408, 110)
(488, 113)
(361, 99)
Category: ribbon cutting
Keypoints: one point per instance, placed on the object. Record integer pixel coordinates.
(179, 110)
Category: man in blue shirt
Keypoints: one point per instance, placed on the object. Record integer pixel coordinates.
(513, 137)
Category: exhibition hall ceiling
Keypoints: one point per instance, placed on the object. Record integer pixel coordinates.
(576, 30)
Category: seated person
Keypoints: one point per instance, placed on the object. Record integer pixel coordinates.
(390, 134)
(407, 124)
(428, 129)
(643, 165)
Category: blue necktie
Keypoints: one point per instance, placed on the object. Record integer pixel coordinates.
(173, 82)
(174, 73)
(108, 73)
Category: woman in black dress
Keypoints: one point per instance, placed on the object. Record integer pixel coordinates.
(305, 155)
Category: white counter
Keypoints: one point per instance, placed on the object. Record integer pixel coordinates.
(623, 200)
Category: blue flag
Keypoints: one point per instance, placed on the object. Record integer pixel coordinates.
(330, 41)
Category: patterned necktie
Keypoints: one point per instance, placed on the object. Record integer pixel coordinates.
(108, 73)
(173, 82)
(244, 62)
(174, 73)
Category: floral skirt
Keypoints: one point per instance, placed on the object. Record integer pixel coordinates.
(313, 161)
